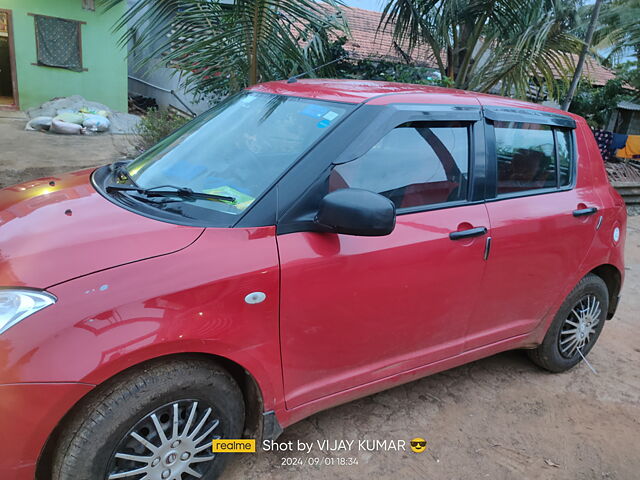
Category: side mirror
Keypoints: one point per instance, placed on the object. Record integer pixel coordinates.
(353, 211)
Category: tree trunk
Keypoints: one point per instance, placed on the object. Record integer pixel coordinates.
(583, 55)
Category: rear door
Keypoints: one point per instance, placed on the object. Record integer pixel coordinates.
(540, 208)
(358, 309)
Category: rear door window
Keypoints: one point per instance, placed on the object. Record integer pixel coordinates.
(526, 157)
(532, 156)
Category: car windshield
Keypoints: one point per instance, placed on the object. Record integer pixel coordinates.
(237, 149)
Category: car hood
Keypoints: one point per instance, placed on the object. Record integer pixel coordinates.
(57, 228)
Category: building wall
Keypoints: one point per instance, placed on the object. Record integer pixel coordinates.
(105, 80)
(166, 79)
(156, 79)
(625, 122)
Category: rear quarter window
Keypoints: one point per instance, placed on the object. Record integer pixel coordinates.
(564, 146)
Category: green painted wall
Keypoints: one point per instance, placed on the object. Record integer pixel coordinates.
(106, 78)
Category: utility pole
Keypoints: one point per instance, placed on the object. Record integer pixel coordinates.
(583, 55)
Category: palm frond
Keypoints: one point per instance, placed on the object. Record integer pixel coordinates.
(485, 43)
(221, 47)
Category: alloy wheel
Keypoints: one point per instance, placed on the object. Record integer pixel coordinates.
(580, 327)
(173, 442)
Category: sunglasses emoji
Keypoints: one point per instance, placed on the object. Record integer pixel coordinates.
(418, 445)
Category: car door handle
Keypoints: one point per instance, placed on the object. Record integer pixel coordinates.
(584, 211)
(472, 232)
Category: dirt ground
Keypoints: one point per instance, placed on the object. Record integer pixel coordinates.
(29, 155)
(498, 418)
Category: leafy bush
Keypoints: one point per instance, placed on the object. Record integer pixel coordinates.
(630, 72)
(156, 125)
(596, 104)
(378, 69)
(394, 72)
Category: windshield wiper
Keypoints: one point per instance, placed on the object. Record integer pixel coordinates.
(181, 192)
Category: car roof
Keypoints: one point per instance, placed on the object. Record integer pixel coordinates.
(384, 93)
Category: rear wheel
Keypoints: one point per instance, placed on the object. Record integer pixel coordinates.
(153, 423)
(576, 327)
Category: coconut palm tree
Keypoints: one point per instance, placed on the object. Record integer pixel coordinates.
(577, 74)
(619, 30)
(488, 44)
(220, 46)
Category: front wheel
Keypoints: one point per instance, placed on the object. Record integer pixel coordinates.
(575, 328)
(154, 423)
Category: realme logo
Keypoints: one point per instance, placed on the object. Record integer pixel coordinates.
(235, 446)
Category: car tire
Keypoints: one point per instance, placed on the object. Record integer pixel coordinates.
(586, 307)
(100, 439)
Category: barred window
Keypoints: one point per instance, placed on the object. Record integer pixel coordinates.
(59, 42)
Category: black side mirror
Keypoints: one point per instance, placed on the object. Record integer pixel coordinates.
(353, 211)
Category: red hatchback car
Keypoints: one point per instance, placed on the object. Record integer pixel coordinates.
(300, 245)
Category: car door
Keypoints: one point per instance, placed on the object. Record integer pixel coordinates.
(358, 309)
(542, 219)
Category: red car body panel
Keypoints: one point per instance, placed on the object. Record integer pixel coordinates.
(358, 91)
(290, 416)
(191, 304)
(333, 348)
(344, 316)
(24, 435)
(533, 251)
(80, 229)
(603, 251)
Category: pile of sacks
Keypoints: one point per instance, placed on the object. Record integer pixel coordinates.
(74, 116)
(70, 122)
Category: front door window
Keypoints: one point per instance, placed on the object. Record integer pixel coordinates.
(414, 165)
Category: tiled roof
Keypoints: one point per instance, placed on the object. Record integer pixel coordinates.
(594, 72)
(367, 42)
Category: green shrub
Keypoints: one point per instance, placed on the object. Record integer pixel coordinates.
(156, 125)
(596, 104)
(379, 69)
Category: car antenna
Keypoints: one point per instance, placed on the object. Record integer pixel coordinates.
(295, 78)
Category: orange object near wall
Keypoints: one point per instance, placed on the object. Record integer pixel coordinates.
(631, 148)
